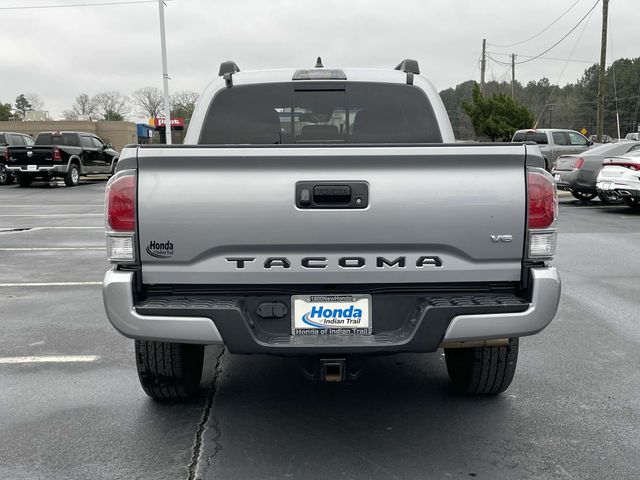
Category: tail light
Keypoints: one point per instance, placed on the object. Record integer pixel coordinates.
(57, 156)
(630, 165)
(6, 155)
(120, 216)
(542, 214)
(579, 164)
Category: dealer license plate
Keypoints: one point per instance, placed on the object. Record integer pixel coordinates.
(32, 167)
(331, 315)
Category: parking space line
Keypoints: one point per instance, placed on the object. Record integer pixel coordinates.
(26, 205)
(53, 215)
(46, 249)
(49, 359)
(51, 284)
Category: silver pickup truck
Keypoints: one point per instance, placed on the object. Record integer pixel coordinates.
(327, 214)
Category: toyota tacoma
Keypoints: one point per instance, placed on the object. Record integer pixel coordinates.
(327, 214)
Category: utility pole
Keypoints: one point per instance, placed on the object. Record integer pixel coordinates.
(602, 70)
(483, 64)
(165, 75)
(550, 112)
(513, 76)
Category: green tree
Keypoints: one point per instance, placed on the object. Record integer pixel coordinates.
(22, 105)
(496, 117)
(5, 111)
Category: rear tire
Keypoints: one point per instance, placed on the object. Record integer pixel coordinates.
(482, 370)
(6, 178)
(72, 177)
(609, 198)
(24, 180)
(633, 202)
(169, 370)
(583, 196)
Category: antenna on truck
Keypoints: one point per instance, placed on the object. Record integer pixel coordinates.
(410, 67)
(227, 69)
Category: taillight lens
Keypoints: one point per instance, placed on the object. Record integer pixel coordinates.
(120, 199)
(6, 155)
(120, 213)
(542, 214)
(630, 165)
(579, 164)
(543, 199)
(57, 156)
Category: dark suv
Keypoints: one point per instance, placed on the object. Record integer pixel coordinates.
(10, 139)
(65, 155)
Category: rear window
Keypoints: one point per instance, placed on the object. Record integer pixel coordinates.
(68, 139)
(539, 137)
(3, 140)
(289, 113)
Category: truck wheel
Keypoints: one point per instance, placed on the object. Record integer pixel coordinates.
(485, 370)
(633, 202)
(72, 177)
(23, 180)
(583, 196)
(6, 178)
(169, 370)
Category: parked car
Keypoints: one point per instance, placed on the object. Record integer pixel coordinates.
(66, 155)
(578, 174)
(554, 142)
(330, 234)
(621, 176)
(10, 139)
(633, 136)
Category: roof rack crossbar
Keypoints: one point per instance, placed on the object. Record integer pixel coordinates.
(410, 67)
(227, 69)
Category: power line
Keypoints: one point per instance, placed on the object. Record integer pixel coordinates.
(588, 14)
(591, 62)
(539, 33)
(98, 4)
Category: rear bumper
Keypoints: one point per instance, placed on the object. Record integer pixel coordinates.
(622, 188)
(573, 180)
(422, 324)
(57, 169)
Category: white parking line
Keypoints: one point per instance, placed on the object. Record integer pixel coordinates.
(49, 359)
(53, 215)
(51, 284)
(65, 228)
(26, 205)
(46, 249)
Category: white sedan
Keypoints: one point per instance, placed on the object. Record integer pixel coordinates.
(621, 175)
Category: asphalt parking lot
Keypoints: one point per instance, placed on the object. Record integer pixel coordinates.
(573, 410)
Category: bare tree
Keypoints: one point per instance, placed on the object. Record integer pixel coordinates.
(183, 103)
(83, 106)
(111, 105)
(69, 115)
(149, 100)
(37, 104)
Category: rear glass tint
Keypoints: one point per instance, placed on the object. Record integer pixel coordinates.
(538, 137)
(3, 141)
(68, 139)
(284, 113)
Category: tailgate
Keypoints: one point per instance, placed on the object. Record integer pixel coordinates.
(435, 214)
(20, 156)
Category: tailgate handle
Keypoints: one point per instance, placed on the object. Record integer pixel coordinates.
(332, 195)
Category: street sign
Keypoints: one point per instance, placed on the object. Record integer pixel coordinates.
(584, 132)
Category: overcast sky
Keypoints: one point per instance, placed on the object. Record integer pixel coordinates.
(62, 52)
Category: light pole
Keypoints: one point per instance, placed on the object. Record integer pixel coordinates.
(165, 75)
